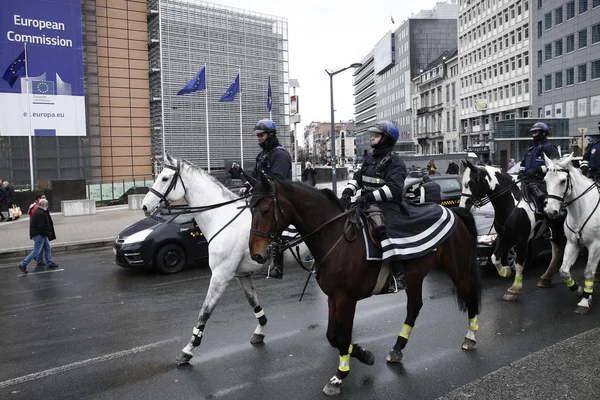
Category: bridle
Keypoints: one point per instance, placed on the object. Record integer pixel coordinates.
(172, 184)
(477, 201)
(564, 203)
(272, 234)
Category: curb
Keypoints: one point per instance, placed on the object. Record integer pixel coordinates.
(62, 248)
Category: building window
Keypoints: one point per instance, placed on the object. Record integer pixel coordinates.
(548, 21)
(582, 38)
(582, 73)
(540, 87)
(570, 43)
(595, 3)
(558, 80)
(558, 16)
(539, 29)
(526, 31)
(596, 69)
(558, 48)
(583, 6)
(570, 76)
(596, 33)
(539, 58)
(539, 4)
(548, 52)
(526, 59)
(547, 83)
(526, 86)
(570, 10)
(453, 120)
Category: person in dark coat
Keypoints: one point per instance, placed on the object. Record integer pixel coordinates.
(41, 231)
(2, 201)
(309, 174)
(9, 198)
(533, 165)
(32, 209)
(273, 160)
(235, 171)
(590, 165)
(431, 192)
(452, 168)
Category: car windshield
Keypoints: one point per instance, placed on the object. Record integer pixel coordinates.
(449, 186)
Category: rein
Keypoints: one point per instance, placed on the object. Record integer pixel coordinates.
(479, 202)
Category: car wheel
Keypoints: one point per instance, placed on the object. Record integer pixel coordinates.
(170, 259)
(511, 257)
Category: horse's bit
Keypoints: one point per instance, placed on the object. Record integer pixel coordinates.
(172, 184)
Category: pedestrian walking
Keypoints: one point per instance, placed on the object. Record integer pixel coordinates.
(309, 174)
(32, 209)
(9, 200)
(432, 168)
(41, 231)
(452, 168)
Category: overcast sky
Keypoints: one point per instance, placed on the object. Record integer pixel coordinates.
(331, 34)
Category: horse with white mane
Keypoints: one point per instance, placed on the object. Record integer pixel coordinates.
(225, 223)
(568, 188)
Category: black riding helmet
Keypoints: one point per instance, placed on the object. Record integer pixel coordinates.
(539, 130)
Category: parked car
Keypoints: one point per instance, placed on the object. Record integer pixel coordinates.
(165, 241)
(123, 199)
(450, 185)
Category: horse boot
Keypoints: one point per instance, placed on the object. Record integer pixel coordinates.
(397, 281)
(276, 271)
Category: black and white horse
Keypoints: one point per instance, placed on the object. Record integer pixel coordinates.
(514, 222)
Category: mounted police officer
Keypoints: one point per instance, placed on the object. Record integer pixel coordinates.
(274, 161)
(533, 166)
(590, 165)
(381, 180)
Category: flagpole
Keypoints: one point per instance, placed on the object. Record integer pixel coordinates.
(29, 119)
(206, 94)
(241, 130)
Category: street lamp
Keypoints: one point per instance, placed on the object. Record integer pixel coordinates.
(333, 164)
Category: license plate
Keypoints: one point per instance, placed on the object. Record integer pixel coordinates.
(115, 251)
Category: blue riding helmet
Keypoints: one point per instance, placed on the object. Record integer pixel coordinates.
(540, 126)
(265, 126)
(386, 128)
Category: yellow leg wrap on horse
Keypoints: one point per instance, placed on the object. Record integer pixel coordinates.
(588, 286)
(518, 280)
(405, 332)
(569, 281)
(345, 361)
(504, 272)
(473, 326)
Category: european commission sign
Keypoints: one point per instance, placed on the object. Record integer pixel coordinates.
(41, 59)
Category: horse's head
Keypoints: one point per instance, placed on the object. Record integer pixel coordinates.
(268, 219)
(166, 188)
(476, 184)
(558, 184)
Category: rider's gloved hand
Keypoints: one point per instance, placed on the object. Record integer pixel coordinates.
(247, 189)
(368, 198)
(585, 169)
(521, 173)
(346, 196)
(534, 171)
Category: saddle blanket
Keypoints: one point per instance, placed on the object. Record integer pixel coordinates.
(414, 230)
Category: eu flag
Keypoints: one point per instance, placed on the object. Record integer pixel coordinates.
(269, 98)
(232, 91)
(15, 70)
(198, 82)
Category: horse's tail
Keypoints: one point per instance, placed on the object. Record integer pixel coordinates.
(475, 296)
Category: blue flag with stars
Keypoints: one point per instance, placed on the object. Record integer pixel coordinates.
(198, 82)
(15, 70)
(232, 91)
(269, 96)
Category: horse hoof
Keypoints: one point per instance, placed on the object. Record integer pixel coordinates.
(184, 358)
(582, 310)
(544, 283)
(332, 389)
(469, 344)
(394, 356)
(257, 339)
(511, 296)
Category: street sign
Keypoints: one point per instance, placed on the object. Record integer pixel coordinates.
(582, 143)
(582, 131)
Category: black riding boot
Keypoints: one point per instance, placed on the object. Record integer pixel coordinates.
(397, 282)
(276, 270)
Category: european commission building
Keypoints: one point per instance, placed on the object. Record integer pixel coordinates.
(185, 36)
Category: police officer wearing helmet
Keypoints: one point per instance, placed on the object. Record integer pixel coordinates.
(274, 161)
(533, 165)
(381, 180)
(590, 165)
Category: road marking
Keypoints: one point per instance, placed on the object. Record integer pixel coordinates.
(181, 280)
(42, 272)
(21, 307)
(85, 363)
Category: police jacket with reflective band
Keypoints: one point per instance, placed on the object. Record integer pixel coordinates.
(535, 155)
(432, 192)
(591, 159)
(274, 161)
(381, 174)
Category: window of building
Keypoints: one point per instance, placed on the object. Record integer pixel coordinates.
(539, 2)
(595, 3)
(570, 76)
(540, 89)
(453, 120)
(526, 5)
(519, 61)
(548, 52)
(547, 21)
(570, 10)
(596, 33)
(582, 73)
(570, 43)
(558, 16)
(582, 38)
(539, 58)
(526, 31)
(453, 92)
(558, 48)
(539, 29)
(583, 6)
(595, 69)
(547, 83)
(519, 35)
(512, 64)
(519, 89)
(526, 59)
(513, 90)
(526, 84)
(558, 79)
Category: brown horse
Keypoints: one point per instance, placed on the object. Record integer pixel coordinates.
(342, 269)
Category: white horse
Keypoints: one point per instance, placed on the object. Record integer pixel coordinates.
(568, 188)
(226, 228)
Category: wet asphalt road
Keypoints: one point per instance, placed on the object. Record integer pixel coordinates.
(92, 330)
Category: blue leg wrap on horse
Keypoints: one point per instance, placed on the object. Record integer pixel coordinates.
(260, 315)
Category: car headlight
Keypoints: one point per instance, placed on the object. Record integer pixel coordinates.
(486, 239)
(138, 236)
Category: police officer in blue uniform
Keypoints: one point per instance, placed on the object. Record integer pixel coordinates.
(533, 165)
(381, 180)
(274, 161)
(590, 165)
